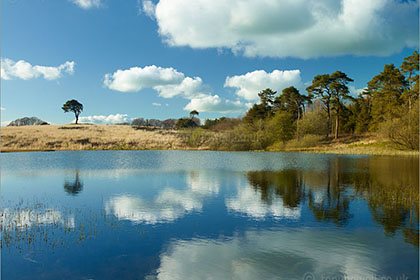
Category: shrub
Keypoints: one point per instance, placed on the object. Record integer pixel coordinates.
(221, 124)
(138, 122)
(313, 123)
(226, 124)
(281, 127)
(241, 138)
(169, 123)
(306, 141)
(403, 132)
(186, 123)
(198, 137)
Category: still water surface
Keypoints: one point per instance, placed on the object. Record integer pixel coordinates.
(208, 215)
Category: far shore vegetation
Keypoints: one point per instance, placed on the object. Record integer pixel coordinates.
(382, 119)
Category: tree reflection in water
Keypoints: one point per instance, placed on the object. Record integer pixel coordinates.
(390, 186)
(74, 187)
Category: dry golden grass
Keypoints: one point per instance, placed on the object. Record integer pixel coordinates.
(124, 137)
(86, 137)
(368, 145)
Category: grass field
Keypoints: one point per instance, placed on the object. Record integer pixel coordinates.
(86, 137)
(124, 137)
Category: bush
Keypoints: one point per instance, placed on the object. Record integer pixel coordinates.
(226, 124)
(187, 123)
(281, 127)
(138, 122)
(169, 123)
(403, 132)
(306, 141)
(238, 139)
(313, 123)
(197, 137)
(221, 124)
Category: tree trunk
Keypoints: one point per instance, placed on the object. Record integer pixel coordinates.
(409, 102)
(336, 124)
(329, 120)
(77, 118)
(410, 91)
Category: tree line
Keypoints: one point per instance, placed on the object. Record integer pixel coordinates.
(389, 106)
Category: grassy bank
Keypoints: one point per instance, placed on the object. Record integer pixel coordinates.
(357, 145)
(85, 137)
(123, 137)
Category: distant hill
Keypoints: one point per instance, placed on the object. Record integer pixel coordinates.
(27, 121)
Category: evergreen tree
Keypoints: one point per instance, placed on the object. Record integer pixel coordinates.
(73, 106)
(339, 92)
(410, 68)
(320, 88)
(386, 90)
(262, 110)
(361, 112)
(292, 101)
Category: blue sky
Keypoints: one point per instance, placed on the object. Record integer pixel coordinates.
(161, 59)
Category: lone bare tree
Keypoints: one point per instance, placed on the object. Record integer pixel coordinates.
(73, 106)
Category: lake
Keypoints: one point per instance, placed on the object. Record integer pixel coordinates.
(208, 215)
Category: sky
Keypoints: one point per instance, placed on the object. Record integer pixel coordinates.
(126, 59)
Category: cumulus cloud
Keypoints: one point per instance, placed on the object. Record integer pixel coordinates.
(87, 4)
(25, 71)
(356, 91)
(213, 103)
(149, 8)
(110, 119)
(284, 28)
(250, 84)
(156, 104)
(169, 83)
(2, 108)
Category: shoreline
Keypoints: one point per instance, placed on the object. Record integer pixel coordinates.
(88, 137)
(302, 151)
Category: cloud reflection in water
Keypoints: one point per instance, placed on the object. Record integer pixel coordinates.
(276, 255)
(248, 202)
(169, 205)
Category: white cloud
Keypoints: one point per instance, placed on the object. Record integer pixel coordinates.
(156, 104)
(110, 119)
(213, 103)
(2, 108)
(250, 84)
(283, 28)
(188, 88)
(356, 91)
(149, 8)
(25, 71)
(167, 81)
(87, 4)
